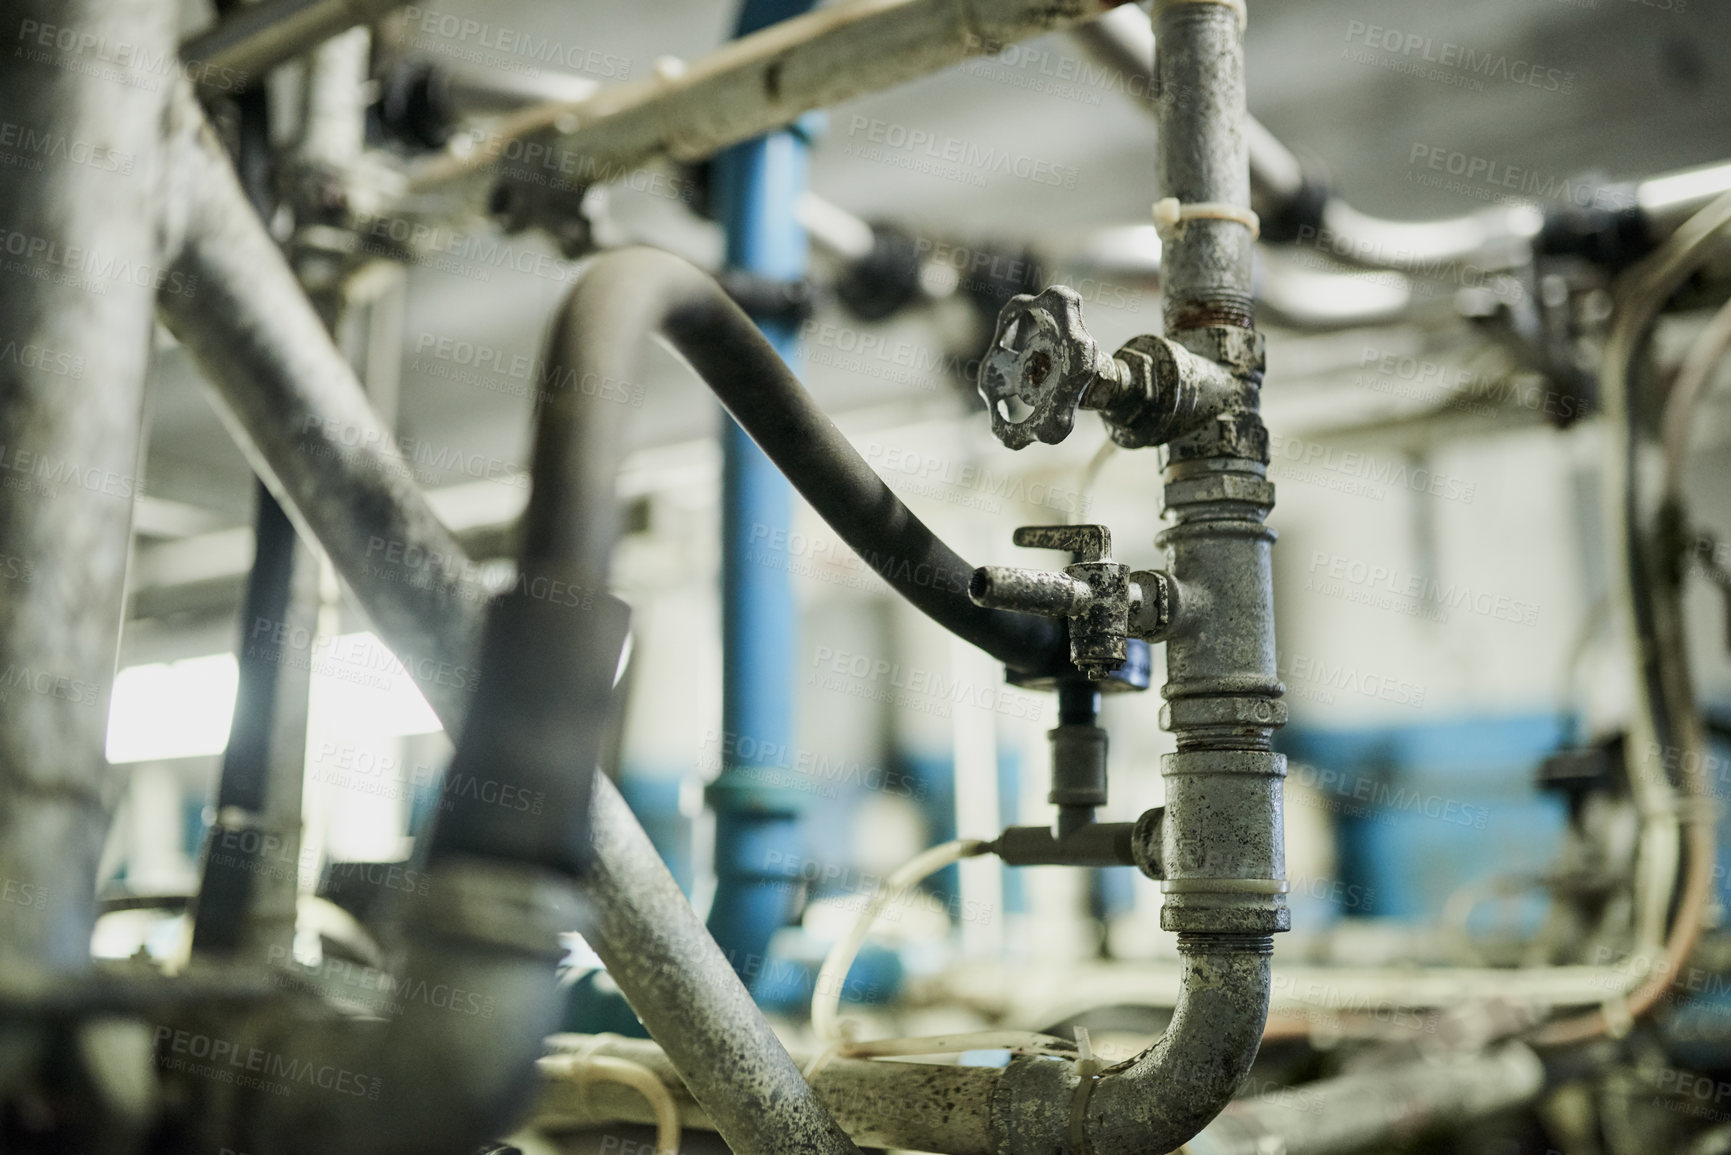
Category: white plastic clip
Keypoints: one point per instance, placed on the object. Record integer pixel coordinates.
(1169, 214)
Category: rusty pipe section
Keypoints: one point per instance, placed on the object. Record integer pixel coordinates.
(293, 403)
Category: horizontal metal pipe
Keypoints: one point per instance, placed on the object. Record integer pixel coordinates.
(1365, 1112)
(1497, 237)
(925, 1107)
(904, 1106)
(763, 82)
(294, 405)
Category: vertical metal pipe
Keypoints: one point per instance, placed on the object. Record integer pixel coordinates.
(759, 184)
(1224, 863)
(78, 280)
(250, 883)
(246, 900)
(1203, 159)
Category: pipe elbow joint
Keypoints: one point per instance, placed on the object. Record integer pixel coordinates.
(1163, 1097)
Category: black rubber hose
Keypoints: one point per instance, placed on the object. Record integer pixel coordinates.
(591, 364)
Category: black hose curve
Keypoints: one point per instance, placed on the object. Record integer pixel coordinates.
(625, 295)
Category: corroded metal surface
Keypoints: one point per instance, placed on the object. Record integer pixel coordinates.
(909, 1106)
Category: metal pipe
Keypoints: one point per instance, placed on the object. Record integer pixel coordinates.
(81, 274)
(1123, 40)
(1203, 160)
(294, 404)
(250, 885)
(723, 1049)
(1297, 206)
(759, 83)
(1223, 866)
(901, 1106)
(941, 1108)
(243, 46)
(291, 401)
(1365, 1112)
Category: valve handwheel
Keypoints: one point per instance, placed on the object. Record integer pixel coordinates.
(1041, 362)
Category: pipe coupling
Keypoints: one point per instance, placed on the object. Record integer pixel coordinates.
(1224, 869)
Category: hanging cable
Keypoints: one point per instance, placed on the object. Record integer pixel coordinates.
(826, 998)
(1664, 713)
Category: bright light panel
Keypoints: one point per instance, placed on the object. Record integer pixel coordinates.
(183, 709)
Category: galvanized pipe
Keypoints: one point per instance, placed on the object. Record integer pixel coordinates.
(901, 1106)
(1203, 159)
(941, 1108)
(80, 278)
(1368, 1111)
(757, 84)
(293, 403)
(1223, 866)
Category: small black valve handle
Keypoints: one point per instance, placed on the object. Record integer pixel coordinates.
(1096, 594)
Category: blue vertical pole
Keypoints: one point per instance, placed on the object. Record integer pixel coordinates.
(757, 186)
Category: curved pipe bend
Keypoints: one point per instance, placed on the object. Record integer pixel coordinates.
(1163, 1097)
(631, 293)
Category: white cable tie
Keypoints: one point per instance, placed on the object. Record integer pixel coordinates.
(1169, 214)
